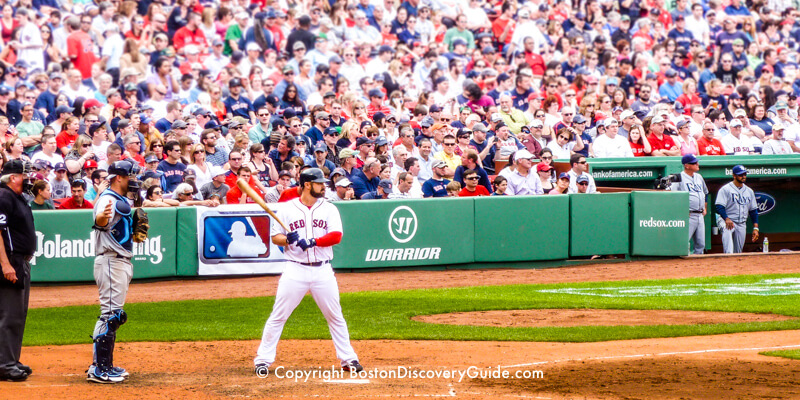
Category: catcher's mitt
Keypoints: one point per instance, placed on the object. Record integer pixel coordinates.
(141, 223)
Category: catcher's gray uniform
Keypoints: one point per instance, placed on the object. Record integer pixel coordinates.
(737, 203)
(696, 186)
(112, 272)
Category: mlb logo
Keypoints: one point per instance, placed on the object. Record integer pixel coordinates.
(236, 238)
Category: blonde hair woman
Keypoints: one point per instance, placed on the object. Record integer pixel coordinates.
(199, 165)
(350, 132)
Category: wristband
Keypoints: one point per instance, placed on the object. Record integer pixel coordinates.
(755, 228)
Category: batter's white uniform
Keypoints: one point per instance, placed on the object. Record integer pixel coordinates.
(300, 276)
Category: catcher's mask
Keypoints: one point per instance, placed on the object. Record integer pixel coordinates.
(24, 168)
(129, 169)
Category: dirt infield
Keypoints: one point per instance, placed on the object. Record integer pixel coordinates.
(593, 317)
(702, 367)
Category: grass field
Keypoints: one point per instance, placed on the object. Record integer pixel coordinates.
(791, 354)
(386, 314)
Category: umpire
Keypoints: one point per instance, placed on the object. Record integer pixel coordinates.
(18, 238)
(692, 182)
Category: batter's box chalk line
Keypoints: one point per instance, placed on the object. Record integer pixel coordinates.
(673, 353)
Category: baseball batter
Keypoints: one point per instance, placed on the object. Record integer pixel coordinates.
(315, 228)
(692, 182)
(113, 236)
(735, 201)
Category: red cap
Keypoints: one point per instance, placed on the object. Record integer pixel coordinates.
(122, 104)
(90, 164)
(92, 103)
(543, 166)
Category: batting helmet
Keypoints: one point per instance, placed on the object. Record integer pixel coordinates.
(312, 175)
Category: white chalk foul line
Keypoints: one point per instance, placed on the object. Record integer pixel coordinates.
(673, 353)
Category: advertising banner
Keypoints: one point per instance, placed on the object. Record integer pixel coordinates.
(659, 223)
(400, 233)
(235, 240)
(65, 249)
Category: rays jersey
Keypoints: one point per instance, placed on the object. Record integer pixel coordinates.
(697, 189)
(310, 223)
(737, 202)
(117, 236)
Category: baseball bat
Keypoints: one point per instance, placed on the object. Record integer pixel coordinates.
(246, 189)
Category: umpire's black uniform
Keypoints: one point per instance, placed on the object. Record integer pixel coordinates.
(19, 239)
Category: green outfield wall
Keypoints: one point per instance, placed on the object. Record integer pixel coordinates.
(411, 233)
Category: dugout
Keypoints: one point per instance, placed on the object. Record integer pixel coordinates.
(774, 178)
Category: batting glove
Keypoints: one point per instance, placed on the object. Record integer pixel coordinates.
(292, 237)
(306, 244)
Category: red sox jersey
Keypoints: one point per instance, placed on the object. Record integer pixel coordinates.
(310, 223)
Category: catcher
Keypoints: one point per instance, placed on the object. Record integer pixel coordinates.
(116, 227)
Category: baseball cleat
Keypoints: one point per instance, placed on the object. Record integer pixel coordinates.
(262, 370)
(353, 366)
(106, 375)
(120, 371)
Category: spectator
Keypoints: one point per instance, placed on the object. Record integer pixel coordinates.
(216, 188)
(99, 183)
(172, 167)
(77, 200)
(500, 185)
(284, 151)
(609, 144)
(436, 186)
(472, 188)
(448, 154)
(41, 196)
(366, 180)
(214, 154)
(582, 184)
(405, 183)
(562, 184)
(48, 152)
(184, 194)
(708, 144)
(736, 144)
(60, 184)
(470, 161)
(579, 167)
(660, 143)
(284, 182)
(453, 188)
(382, 192)
(522, 181)
(154, 197)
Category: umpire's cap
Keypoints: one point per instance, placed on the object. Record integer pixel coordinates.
(312, 175)
(122, 168)
(16, 167)
(739, 170)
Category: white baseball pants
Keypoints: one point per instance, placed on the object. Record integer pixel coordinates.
(296, 281)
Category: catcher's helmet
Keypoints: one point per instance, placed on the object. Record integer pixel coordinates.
(312, 175)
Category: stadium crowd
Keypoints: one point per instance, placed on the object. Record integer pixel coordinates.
(424, 98)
